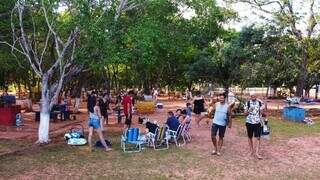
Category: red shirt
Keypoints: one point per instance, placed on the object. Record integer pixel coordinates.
(127, 104)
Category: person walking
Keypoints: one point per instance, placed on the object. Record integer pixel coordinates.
(198, 107)
(104, 106)
(253, 110)
(94, 124)
(221, 119)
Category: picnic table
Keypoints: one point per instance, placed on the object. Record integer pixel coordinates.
(57, 112)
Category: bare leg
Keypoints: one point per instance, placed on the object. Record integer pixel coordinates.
(90, 137)
(257, 146)
(200, 119)
(102, 140)
(197, 116)
(220, 143)
(214, 142)
(251, 146)
(101, 123)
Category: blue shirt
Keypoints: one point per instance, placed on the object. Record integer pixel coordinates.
(189, 111)
(173, 123)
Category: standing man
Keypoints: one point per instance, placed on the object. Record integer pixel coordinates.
(253, 110)
(127, 103)
(221, 119)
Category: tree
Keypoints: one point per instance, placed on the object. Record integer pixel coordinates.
(47, 48)
(292, 19)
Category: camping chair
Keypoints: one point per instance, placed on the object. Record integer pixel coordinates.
(186, 132)
(177, 134)
(131, 136)
(160, 140)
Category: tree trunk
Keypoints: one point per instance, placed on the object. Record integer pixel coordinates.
(267, 93)
(275, 91)
(303, 73)
(19, 89)
(317, 91)
(43, 133)
(307, 92)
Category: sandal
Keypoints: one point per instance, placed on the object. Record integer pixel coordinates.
(259, 156)
(214, 152)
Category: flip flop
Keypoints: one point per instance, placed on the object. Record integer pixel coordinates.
(108, 149)
(214, 152)
(259, 156)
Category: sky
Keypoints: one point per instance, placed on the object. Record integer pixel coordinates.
(246, 14)
(249, 15)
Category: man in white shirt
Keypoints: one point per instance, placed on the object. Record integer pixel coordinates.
(253, 109)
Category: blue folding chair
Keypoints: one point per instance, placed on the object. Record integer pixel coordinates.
(130, 141)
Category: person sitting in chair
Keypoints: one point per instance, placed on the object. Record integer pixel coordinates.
(150, 130)
(172, 121)
(150, 127)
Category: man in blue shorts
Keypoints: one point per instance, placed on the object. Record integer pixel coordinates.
(221, 119)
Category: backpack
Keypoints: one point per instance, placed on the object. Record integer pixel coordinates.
(100, 145)
(248, 104)
(19, 120)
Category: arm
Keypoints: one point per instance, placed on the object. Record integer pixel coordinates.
(263, 106)
(246, 112)
(98, 111)
(229, 118)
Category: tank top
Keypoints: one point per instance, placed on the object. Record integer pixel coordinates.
(93, 115)
(220, 115)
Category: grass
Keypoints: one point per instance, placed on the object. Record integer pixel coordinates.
(65, 162)
(60, 161)
(9, 145)
(283, 129)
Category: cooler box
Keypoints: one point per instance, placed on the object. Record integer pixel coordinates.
(294, 113)
(8, 115)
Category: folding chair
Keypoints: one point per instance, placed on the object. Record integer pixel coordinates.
(187, 131)
(131, 137)
(177, 134)
(160, 140)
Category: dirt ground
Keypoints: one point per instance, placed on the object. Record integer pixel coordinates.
(289, 156)
(296, 157)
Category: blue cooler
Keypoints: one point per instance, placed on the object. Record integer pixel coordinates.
(293, 113)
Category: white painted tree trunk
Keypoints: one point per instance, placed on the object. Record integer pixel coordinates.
(43, 131)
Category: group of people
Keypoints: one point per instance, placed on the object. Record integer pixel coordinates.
(98, 105)
(221, 111)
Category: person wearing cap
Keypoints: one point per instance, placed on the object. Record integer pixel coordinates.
(253, 109)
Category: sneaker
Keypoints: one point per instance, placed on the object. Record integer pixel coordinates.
(219, 154)
(214, 152)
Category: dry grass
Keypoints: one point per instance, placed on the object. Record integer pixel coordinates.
(60, 161)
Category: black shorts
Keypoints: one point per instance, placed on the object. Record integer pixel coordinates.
(128, 119)
(215, 128)
(253, 130)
